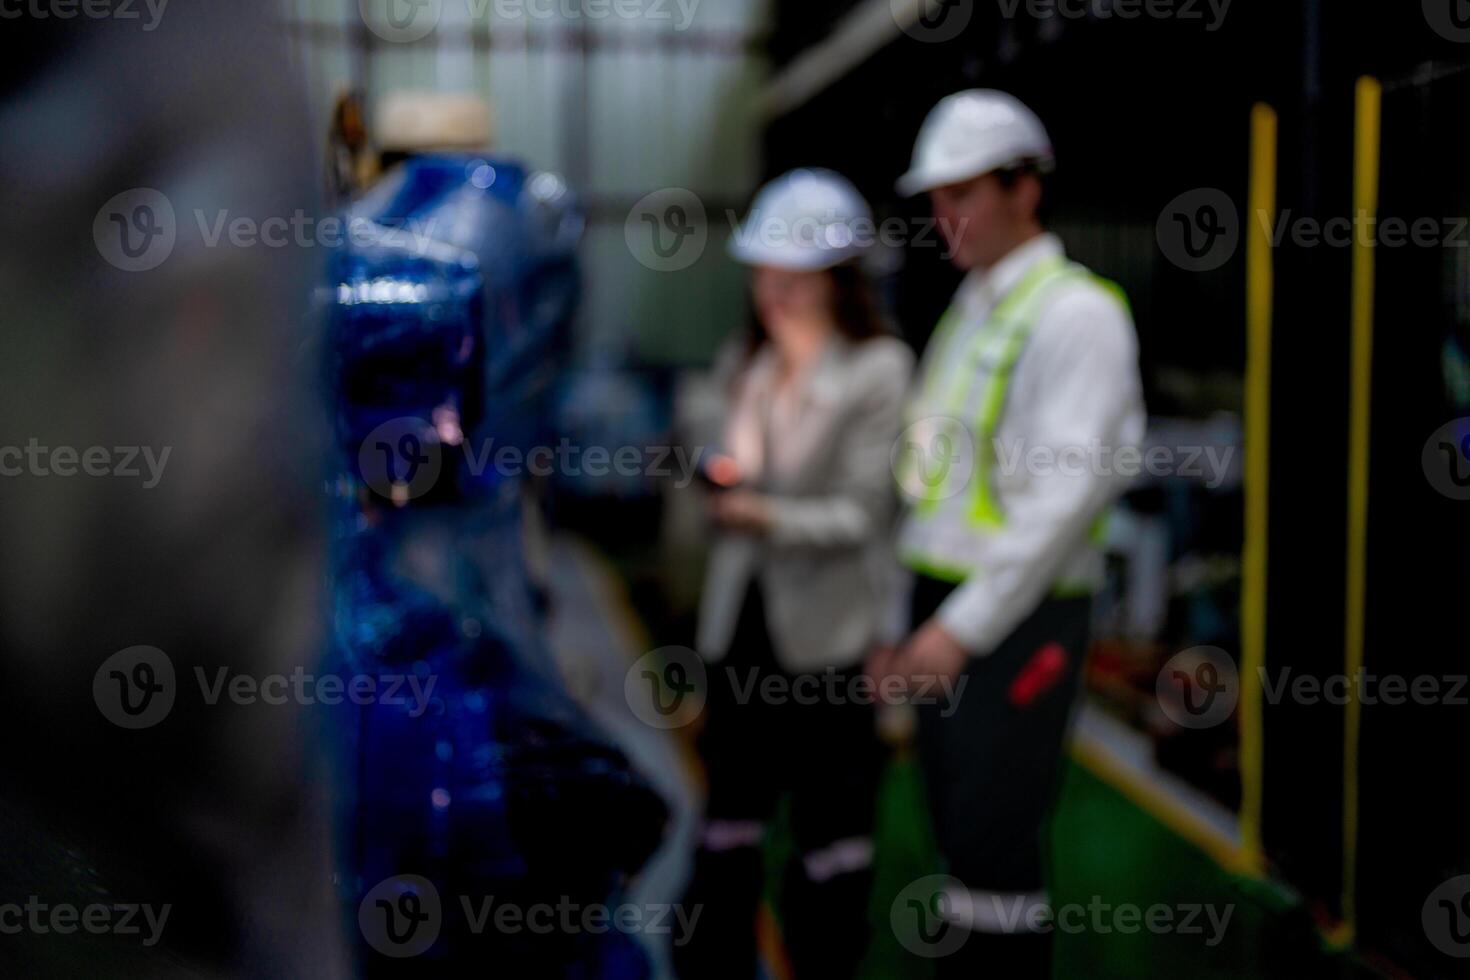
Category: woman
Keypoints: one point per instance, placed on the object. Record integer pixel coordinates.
(791, 597)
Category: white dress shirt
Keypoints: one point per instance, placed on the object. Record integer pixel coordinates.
(1075, 391)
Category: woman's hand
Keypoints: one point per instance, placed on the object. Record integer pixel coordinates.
(741, 510)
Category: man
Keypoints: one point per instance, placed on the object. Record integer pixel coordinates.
(1027, 391)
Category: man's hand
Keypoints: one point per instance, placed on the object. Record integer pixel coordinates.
(930, 652)
(879, 661)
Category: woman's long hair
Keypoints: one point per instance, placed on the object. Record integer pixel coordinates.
(855, 309)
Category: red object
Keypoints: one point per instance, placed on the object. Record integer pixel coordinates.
(722, 471)
(1041, 674)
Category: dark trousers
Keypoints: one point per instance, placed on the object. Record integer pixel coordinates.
(821, 752)
(991, 770)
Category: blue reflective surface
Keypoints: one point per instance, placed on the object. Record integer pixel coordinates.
(470, 767)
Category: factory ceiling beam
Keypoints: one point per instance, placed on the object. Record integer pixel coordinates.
(865, 30)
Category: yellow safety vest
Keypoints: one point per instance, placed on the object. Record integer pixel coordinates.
(969, 378)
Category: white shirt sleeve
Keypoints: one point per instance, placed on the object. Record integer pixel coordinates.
(1076, 388)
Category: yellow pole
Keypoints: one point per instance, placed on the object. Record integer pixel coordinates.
(1365, 213)
(1260, 285)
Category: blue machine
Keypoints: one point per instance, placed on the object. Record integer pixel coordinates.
(453, 218)
(451, 311)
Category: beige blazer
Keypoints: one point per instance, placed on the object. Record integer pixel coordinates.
(823, 569)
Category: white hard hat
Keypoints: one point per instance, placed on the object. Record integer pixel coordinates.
(412, 121)
(806, 220)
(972, 133)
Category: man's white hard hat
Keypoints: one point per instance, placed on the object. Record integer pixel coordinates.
(806, 220)
(972, 133)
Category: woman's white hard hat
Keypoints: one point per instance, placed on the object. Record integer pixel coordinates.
(806, 220)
